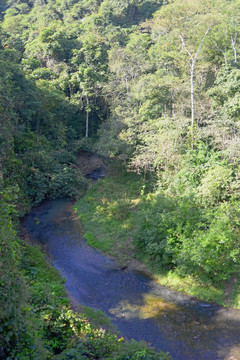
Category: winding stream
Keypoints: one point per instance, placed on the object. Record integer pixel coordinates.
(138, 306)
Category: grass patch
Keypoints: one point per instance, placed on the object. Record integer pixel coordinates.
(107, 212)
(193, 287)
(98, 318)
(232, 291)
(186, 283)
(45, 283)
(235, 298)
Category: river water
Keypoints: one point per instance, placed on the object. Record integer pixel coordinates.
(141, 309)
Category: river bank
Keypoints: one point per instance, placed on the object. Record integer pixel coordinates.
(109, 214)
(136, 304)
(68, 328)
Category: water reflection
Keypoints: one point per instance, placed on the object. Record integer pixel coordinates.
(141, 308)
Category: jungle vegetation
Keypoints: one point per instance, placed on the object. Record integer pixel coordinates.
(154, 86)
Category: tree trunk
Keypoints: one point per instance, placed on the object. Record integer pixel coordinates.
(223, 52)
(173, 105)
(234, 41)
(86, 123)
(193, 59)
(87, 116)
(192, 104)
(38, 125)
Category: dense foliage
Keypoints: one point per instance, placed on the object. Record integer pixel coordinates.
(37, 158)
(36, 320)
(152, 83)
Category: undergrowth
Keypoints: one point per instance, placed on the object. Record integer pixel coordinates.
(185, 245)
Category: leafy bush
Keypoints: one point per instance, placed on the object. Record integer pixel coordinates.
(162, 224)
(139, 351)
(178, 233)
(66, 181)
(42, 171)
(214, 186)
(215, 249)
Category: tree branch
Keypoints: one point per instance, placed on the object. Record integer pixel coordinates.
(201, 42)
(184, 46)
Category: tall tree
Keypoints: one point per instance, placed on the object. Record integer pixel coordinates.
(186, 25)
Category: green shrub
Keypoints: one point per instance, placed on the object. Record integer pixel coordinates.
(215, 250)
(163, 222)
(139, 351)
(180, 234)
(214, 186)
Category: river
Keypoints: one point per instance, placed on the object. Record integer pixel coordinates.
(141, 309)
